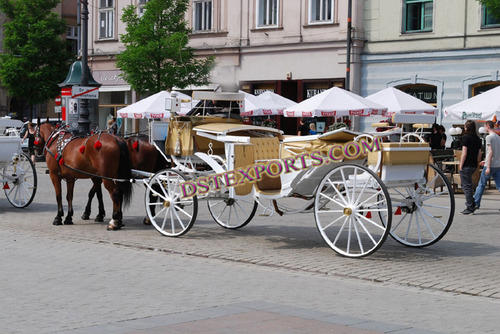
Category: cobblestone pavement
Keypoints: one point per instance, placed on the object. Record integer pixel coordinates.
(131, 281)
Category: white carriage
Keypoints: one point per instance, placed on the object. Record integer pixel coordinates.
(353, 201)
(17, 173)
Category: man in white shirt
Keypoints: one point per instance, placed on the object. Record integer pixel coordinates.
(491, 163)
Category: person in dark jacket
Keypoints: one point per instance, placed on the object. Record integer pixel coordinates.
(469, 161)
(30, 134)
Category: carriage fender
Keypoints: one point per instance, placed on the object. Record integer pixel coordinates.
(211, 162)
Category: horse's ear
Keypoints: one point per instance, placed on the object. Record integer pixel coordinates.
(38, 121)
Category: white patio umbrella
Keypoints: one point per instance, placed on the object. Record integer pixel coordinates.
(154, 107)
(480, 107)
(274, 104)
(252, 105)
(398, 102)
(335, 102)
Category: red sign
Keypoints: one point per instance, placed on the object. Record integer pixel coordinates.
(328, 113)
(137, 115)
(57, 100)
(290, 113)
(356, 112)
(157, 115)
(66, 92)
(307, 114)
(267, 112)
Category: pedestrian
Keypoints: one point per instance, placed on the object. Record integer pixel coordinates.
(435, 139)
(30, 134)
(469, 160)
(442, 131)
(303, 128)
(112, 126)
(491, 163)
(312, 129)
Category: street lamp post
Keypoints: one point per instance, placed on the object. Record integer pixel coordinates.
(83, 114)
(349, 44)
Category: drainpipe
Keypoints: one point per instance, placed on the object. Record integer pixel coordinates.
(349, 44)
(465, 22)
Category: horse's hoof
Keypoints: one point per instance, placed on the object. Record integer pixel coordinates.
(114, 225)
(86, 216)
(57, 221)
(68, 221)
(99, 219)
(146, 221)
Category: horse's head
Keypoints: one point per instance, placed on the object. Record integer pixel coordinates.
(42, 134)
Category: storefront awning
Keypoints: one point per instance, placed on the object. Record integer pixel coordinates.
(118, 88)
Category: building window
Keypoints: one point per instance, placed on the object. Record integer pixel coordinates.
(267, 13)
(488, 20)
(417, 15)
(320, 11)
(72, 39)
(106, 19)
(141, 7)
(202, 16)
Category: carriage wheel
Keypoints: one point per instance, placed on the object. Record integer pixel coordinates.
(346, 205)
(173, 215)
(20, 181)
(232, 213)
(423, 213)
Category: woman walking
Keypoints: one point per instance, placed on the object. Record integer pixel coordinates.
(469, 161)
(30, 134)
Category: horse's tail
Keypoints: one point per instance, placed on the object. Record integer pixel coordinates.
(124, 172)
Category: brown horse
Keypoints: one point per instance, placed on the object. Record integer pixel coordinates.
(95, 157)
(144, 157)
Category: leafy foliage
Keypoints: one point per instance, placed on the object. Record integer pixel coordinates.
(157, 56)
(36, 58)
(493, 7)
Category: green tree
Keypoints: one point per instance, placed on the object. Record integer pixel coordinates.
(157, 56)
(35, 55)
(493, 6)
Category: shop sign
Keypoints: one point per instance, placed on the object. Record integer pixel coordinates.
(426, 93)
(471, 115)
(258, 91)
(310, 92)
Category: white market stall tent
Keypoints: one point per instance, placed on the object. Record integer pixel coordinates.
(398, 102)
(480, 107)
(335, 102)
(155, 106)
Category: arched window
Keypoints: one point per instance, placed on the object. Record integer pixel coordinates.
(424, 92)
(482, 87)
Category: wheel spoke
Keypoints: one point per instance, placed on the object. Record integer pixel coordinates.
(184, 212)
(349, 236)
(164, 220)
(428, 226)
(338, 193)
(333, 222)
(159, 212)
(369, 198)
(371, 222)
(340, 231)
(357, 235)
(408, 229)
(366, 231)
(419, 233)
(425, 212)
(332, 200)
(179, 219)
(399, 223)
(330, 211)
(345, 185)
(362, 191)
(436, 206)
(172, 219)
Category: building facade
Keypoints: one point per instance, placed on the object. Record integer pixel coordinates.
(4, 100)
(294, 48)
(440, 51)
